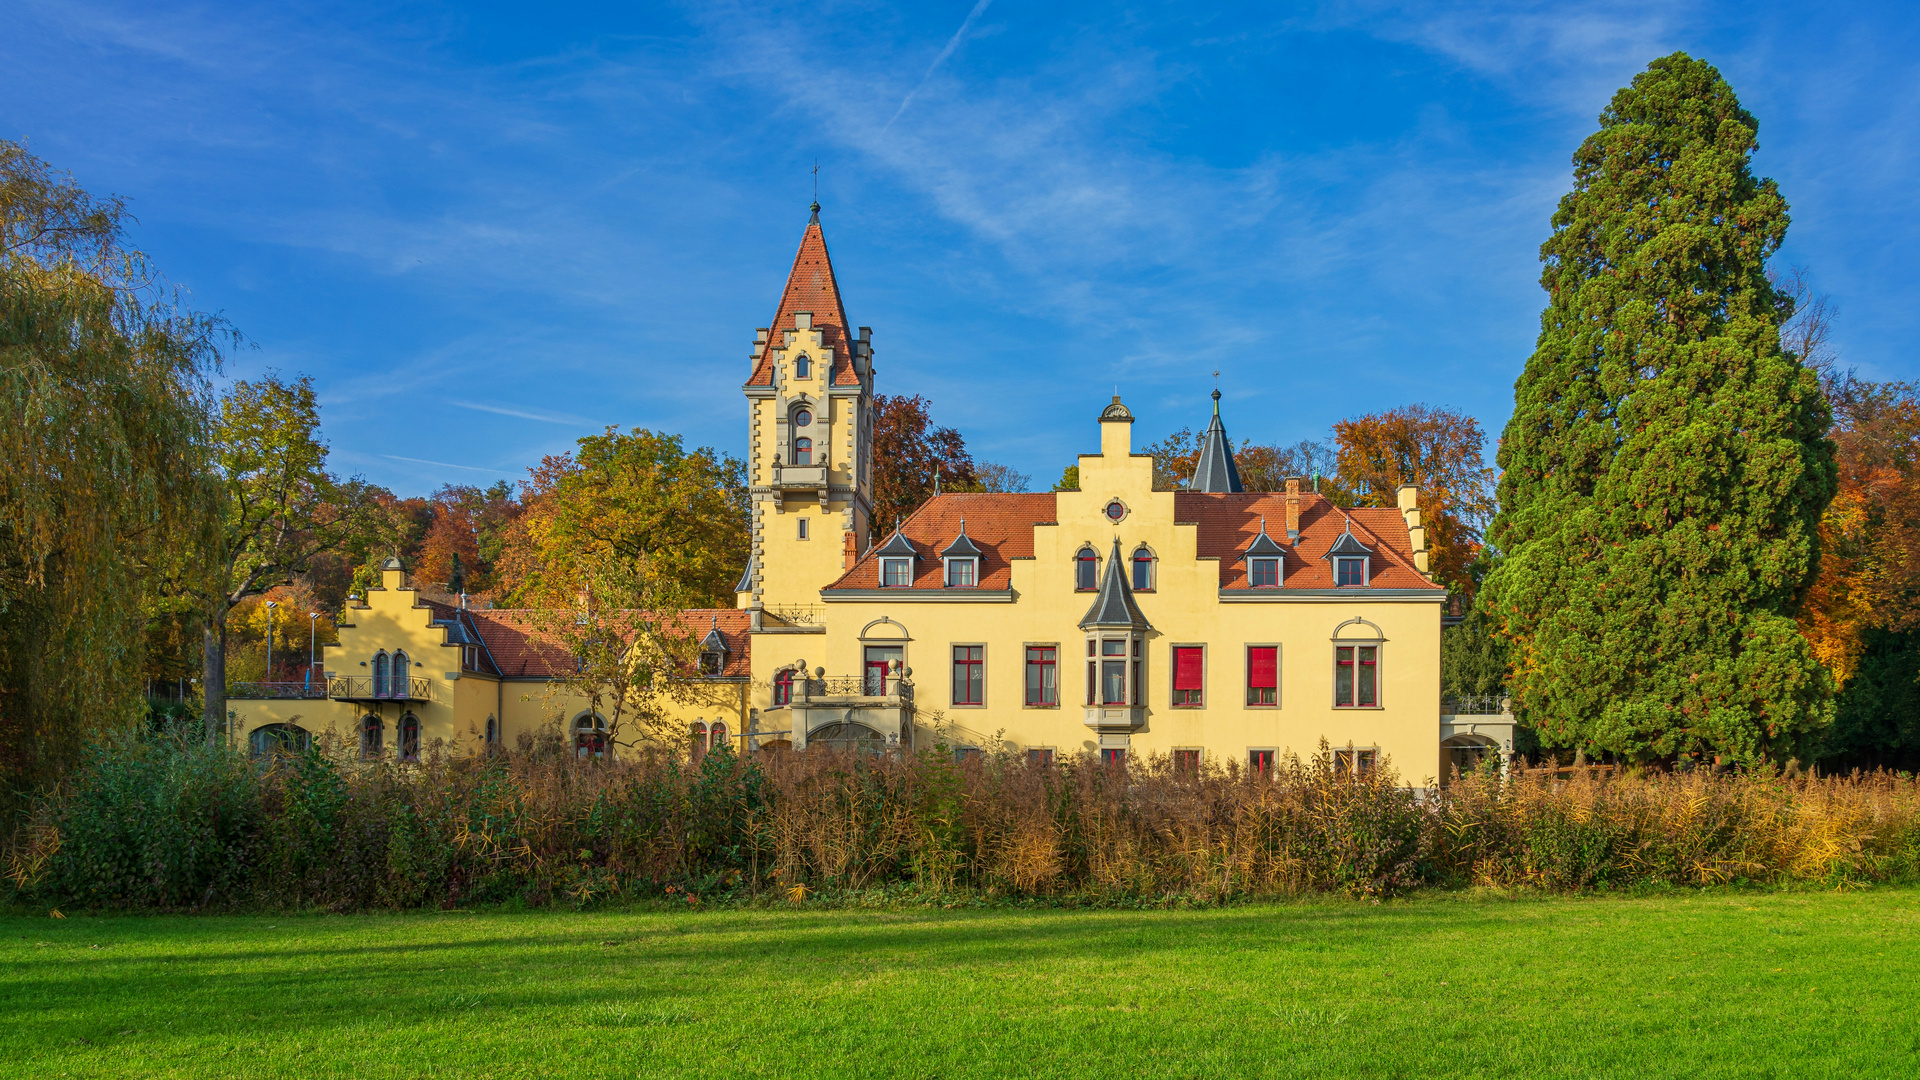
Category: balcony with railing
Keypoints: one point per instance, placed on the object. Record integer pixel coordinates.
(278, 691)
(799, 614)
(876, 688)
(374, 688)
(1473, 705)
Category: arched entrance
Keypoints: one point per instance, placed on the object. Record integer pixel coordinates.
(847, 735)
(1465, 753)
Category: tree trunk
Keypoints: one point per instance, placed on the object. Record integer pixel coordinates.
(213, 676)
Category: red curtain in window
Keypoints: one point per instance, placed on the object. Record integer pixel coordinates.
(1263, 667)
(1186, 668)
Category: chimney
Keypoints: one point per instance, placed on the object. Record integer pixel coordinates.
(1408, 497)
(1293, 509)
(849, 554)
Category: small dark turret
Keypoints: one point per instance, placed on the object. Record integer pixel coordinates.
(1216, 470)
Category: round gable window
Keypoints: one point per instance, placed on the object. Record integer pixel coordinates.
(802, 418)
(1116, 510)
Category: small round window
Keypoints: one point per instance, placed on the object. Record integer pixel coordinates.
(1116, 510)
(802, 418)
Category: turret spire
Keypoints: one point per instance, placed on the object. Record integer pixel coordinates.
(1215, 471)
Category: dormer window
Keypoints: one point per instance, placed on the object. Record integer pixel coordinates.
(710, 662)
(1264, 560)
(713, 651)
(803, 367)
(1352, 560)
(803, 451)
(1086, 571)
(896, 562)
(963, 560)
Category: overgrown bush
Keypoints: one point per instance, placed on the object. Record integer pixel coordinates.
(168, 824)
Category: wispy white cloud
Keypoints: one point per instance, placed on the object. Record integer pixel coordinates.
(529, 414)
(952, 44)
(441, 464)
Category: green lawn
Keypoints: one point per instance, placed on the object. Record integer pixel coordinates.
(1690, 985)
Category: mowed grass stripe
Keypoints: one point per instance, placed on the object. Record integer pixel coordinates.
(1690, 984)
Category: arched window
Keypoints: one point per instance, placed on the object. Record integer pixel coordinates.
(279, 739)
(590, 736)
(698, 740)
(1143, 569)
(397, 682)
(783, 688)
(409, 738)
(1086, 570)
(373, 738)
(380, 674)
(803, 451)
(802, 367)
(718, 738)
(493, 731)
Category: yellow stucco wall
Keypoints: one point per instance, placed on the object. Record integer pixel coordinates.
(1184, 609)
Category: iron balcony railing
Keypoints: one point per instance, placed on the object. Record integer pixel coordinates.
(373, 688)
(1473, 705)
(799, 614)
(859, 686)
(273, 691)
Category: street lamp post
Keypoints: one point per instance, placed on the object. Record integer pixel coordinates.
(313, 621)
(270, 606)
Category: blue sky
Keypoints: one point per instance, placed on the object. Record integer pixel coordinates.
(488, 229)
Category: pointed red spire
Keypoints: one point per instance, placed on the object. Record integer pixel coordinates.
(810, 287)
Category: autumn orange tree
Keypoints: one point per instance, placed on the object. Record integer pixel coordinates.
(1441, 452)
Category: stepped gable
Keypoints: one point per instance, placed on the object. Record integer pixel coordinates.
(523, 648)
(1000, 524)
(1229, 522)
(811, 287)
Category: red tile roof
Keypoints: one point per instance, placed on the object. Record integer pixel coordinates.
(1001, 524)
(523, 647)
(1228, 522)
(810, 287)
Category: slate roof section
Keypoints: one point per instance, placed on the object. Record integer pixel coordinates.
(1000, 524)
(1216, 471)
(811, 287)
(745, 584)
(1229, 523)
(1348, 544)
(1263, 544)
(1114, 606)
(962, 547)
(898, 547)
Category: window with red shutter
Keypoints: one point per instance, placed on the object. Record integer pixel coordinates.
(1263, 674)
(1189, 662)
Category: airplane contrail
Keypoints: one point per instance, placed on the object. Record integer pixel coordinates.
(952, 44)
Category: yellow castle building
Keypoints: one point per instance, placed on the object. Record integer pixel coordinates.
(1118, 619)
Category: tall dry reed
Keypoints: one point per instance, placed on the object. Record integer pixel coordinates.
(157, 824)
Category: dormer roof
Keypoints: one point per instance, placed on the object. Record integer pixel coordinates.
(715, 641)
(898, 547)
(1114, 607)
(1215, 471)
(1348, 544)
(962, 547)
(1263, 545)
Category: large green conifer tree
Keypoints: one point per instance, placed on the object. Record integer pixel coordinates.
(1666, 465)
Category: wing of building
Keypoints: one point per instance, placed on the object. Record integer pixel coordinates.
(1117, 619)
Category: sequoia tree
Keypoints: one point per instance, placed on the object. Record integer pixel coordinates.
(1666, 465)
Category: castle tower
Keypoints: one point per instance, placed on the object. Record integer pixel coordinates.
(809, 437)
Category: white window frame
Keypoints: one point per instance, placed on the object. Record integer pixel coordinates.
(973, 571)
(1279, 571)
(886, 566)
